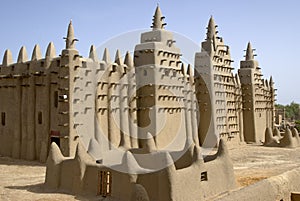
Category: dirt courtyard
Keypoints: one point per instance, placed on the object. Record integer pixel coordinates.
(23, 180)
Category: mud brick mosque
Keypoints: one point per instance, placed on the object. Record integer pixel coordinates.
(111, 121)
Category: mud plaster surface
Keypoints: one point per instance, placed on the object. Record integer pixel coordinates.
(23, 180)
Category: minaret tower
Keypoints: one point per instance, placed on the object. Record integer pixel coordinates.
(215, 88)
(156, 59)
(257, 113)
(69, 64)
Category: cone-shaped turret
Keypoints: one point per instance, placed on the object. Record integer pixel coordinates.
(118, 58)
(106, 56)
(211, 29)
(266, 83)
(36, 54)
(51, 52)
(183, 69)
(158, 20)
(93, 54)
(70, 39)
(276, 132)
(22, 55)
(7, 58)
(271, 82)
(237, 78)
(190, 73)
(249, 52)
(222, 150)
(55, 158)
(269, 139)
(128, 60)
(149, 143)
(288, 140)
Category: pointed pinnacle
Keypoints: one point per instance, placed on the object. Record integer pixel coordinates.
(158, 20)
(249, 52)
(118, 58)
(22, 55)
(106, 56)
(189, 70)
(128, 60)
(36, 54)
(267, 84)
(182, 69)
(70, 39)
(211, 28)
(237, 79)
(93, 54)
(271, 81)
(50, 53)
(7, 58)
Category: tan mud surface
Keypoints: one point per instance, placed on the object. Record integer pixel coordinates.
(23, 180)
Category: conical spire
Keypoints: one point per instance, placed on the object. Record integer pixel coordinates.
(271, 81)
(22, 55)
(211, 29)
(158, 20)
(237, 78)
(189, 70)
(51, 52)
(118, 58)
(190, 73)
(106, 56)
(249, 52)
(267, 84)
(36, 54)
(183, 69)
(70, 39)
(128, 60)
(7, 58)
(93, 54)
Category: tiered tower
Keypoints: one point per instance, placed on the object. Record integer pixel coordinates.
(69, 63)
(164, 89)
(217, 90)
(258, 98)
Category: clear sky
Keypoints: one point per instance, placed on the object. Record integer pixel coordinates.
(271, 26)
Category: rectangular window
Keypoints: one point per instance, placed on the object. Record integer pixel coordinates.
(56, 99)
(3, 116)
(40, 117)
(104, 183)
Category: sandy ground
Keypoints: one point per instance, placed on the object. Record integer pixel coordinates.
(253, 163)
(23, 180)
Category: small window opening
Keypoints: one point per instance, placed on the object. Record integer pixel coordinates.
(145, 72)
(104, 183)
(40, 117)
(204, 176)
(3, 115)
(56, 99)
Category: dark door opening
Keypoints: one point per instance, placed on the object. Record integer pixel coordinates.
(56, 140)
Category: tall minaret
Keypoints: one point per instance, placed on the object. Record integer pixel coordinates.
(156, 59)
(69, 64)
(215, 89)
(256, 114)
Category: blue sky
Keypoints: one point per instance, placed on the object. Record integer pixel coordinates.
(271, 26)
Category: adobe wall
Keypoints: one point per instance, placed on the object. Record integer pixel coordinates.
(275, 188)
(27, 90)
(198, 180)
